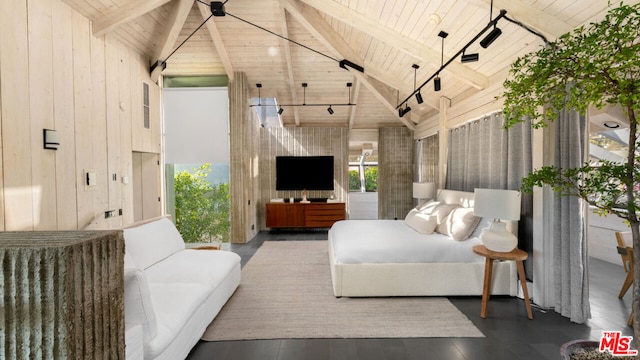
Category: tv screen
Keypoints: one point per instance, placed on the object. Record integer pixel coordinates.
(304, 172)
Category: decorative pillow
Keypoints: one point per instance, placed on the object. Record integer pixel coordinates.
(442, 210)
(459, 224)
(424, 224)
(138, 308)
(426, 207)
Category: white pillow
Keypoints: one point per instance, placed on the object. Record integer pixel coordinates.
(441, 211)
(424, 224)
(459, 224)
(138, 308)
(427, 206)
(151, 242)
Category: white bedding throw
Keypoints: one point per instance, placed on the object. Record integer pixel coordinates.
(392, 241)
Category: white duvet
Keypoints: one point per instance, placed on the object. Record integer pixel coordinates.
(391, 241)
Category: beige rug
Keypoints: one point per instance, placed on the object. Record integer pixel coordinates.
(286, 293)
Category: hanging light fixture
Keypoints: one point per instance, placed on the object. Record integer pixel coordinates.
(418, 95)
(465, 58)
(330, 110)
(259, 86)
(494, 34)
(437, 84)
(280, 111)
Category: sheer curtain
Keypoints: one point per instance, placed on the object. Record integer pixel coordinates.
(571, 285)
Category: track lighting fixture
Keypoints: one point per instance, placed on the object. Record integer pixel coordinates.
(494, 34)
(304, 101)
(402, 112)
(489, 39)
(436, 84)
(418, 95)
(469, 57)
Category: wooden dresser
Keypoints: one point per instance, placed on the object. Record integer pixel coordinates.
(304, 215)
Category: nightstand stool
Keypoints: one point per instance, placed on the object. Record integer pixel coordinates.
(516, 255)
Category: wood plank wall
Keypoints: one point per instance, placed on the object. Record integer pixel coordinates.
(426, 160)
(302, 141)
(243, 142)
(395, 172)
(56, 75)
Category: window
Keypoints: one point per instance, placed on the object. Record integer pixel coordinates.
(363, 173)
(145, 105)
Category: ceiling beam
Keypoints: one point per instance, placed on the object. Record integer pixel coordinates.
(323, 32)
(352, 113)
(130, 10)
(205, 10)
(177, 18)
(397, 40)
(289, 64)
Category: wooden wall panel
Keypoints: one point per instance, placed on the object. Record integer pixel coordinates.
(395, 172)
(56, 75)
(19, 194)
(63, 117)
(302, 141)
(43, 166)
(126, 118)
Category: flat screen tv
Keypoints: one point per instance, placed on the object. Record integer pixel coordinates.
(304, 172)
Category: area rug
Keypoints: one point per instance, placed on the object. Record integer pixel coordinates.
(286, 293)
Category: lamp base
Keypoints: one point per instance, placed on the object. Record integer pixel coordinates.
(498, 239)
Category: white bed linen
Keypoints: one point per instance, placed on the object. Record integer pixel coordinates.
(392, 241)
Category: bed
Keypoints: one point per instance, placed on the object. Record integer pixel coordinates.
(371, 258)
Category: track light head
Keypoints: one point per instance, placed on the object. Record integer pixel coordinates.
(330, 110)
(437, 85)
(469, 58)
(280, 111)
(491, 37)
(419, 98)
(217, 8)
(402, 112)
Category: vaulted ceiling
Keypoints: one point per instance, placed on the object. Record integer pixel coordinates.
(385, 37)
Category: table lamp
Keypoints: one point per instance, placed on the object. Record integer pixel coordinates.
(424, 190)
(498, 205)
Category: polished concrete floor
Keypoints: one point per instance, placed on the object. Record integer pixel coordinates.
(508, 332)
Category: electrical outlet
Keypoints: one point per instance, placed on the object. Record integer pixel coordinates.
(120, 212)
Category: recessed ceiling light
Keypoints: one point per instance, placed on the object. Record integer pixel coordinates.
(611, 125)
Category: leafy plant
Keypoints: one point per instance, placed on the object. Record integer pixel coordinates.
(202, 209)
(371, 178)
(592, 65)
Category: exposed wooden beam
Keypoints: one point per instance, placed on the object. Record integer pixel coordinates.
(352, 113)
(397, 40)
(289, 64)
(217, 39)
(130, 10)
(323, 32)
(177, 17)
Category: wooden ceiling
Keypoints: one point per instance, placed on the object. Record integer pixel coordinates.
(385, 37)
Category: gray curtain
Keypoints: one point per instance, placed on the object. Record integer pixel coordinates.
(482, 154)
(569, 227)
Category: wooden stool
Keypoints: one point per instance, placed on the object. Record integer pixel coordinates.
(516, 255)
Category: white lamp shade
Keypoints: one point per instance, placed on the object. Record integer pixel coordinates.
(424, 190)
(497, 204)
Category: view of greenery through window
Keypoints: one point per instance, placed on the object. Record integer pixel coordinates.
(369, 171)
(202, 209)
